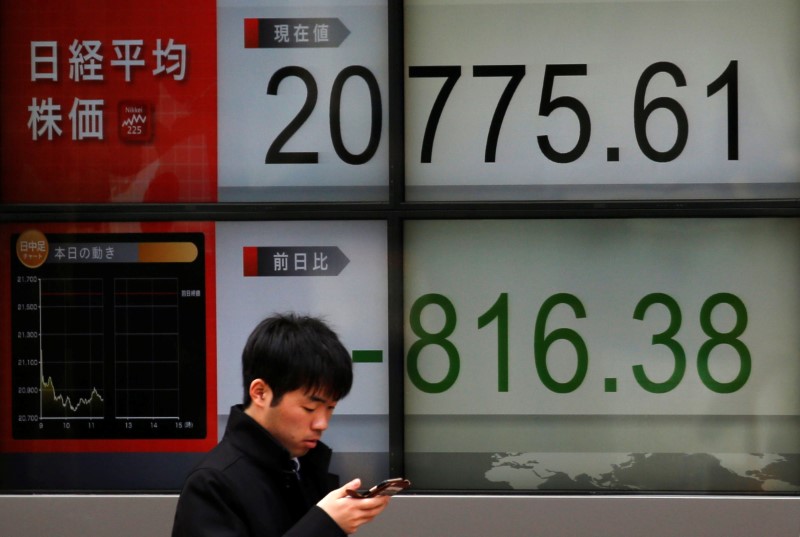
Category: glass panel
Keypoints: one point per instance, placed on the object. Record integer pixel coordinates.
(336, 270)
(537, 100)
(303, 101)
(617, 355)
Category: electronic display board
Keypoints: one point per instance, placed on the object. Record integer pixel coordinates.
(531, 99)
(108, 333)
(630, 354)
(108, 338)
(622, 355)
(504, 100)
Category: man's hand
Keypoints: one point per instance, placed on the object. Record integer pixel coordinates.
(351, 513)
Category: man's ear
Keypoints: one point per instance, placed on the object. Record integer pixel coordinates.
(260, 393)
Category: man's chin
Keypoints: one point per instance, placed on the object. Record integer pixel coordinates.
(300, 451)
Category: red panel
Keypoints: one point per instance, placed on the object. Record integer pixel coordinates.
(137, 124)
(250, 261)
(251, 33)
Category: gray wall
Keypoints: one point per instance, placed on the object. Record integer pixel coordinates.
(441, 516)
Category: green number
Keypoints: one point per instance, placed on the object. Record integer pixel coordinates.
(433, 338)
(499, 311)
(723, 338)
(664, 338)
(542, 343)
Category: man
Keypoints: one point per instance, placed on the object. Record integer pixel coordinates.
(294, 371)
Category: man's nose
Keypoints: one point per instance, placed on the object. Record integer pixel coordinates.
(320, 423)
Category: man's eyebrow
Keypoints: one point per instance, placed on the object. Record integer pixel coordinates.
(318, 399)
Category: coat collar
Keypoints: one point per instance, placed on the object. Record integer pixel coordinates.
(258, 444)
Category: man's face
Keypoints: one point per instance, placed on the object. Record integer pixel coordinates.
(299, 420)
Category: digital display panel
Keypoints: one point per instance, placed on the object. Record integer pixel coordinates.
(532, 99)
(617, 355)
(108, 336)
(303, 101)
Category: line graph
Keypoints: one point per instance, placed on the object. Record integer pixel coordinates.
(71, 348)
(84, 407)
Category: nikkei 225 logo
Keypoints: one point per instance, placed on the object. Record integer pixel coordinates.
(135, 121)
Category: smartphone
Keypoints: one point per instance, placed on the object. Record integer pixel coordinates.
(390, 487)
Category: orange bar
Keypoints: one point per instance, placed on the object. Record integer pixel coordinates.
(167, 252)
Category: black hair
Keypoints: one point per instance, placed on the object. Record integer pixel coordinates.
(290, 352)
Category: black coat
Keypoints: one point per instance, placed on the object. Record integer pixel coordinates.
(246, 487)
